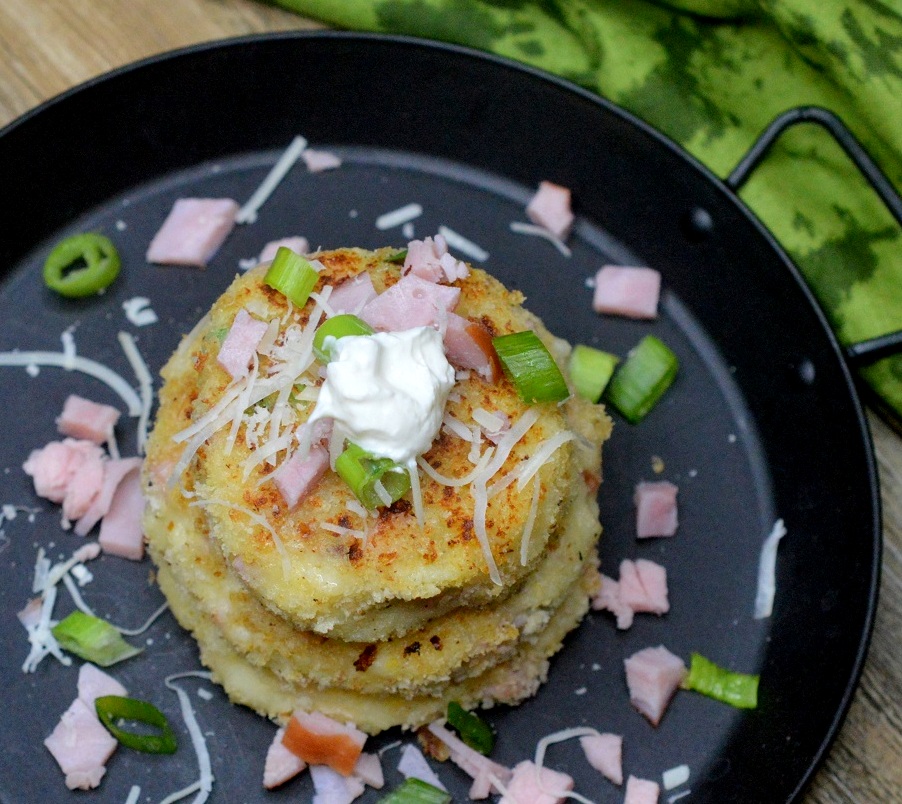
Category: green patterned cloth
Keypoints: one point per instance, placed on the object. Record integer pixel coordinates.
(711, 74)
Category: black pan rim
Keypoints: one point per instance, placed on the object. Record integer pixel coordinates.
(728, 196)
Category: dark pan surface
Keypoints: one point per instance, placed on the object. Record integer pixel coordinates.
(762, 422)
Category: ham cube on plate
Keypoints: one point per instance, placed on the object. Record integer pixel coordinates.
(550, 209)
(641, 791)
(299, 245)
(653, 676)
(656, 509)
(81, 418)
(281, 764)
(604, 752)
(241, 343)
(630, 292)
(320, 740)
(193, 231)
(532, 784)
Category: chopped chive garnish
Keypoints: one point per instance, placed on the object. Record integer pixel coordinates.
(473, 730)
(398, 257)
(337, 327)
(374, 481)
(81, 265)
(292, 275)
(416, 791)
(111, 709)
(591, 371)
(641, 380)
(93, 639)
(737, 689)
(529, 365)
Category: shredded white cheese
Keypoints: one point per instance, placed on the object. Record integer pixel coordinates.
(767, 572)
(248, 213)
(204, 785)
(459, 242)
(674, 777)
(145, 384)
(398, 217)
(71, 362)
(539, 231)
(542, 746)
(139, 312)
(133, 795)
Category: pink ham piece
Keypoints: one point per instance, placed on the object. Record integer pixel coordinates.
(608, 599)
(80, 744)
(83, 419)
(240, 343)
(353, 294)
(429, 259)
(643, 586)
(468, 345)
(550, 209)
(298, 475)
(369, 770)
(281, 765)
(479, 767)
(115, 470)
(299, 245)
(656, 509)
(531, 784)
(193, 231)
(318, 161)
(68, 472)
(330, 787)
(630, 292)
(121, 533)
(320, 740)
(641, 791)
(411, 302)
(653, 676)
(93, 683)
(604, 752)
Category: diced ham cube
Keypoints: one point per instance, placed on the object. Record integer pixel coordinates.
(318, 161)
(369, 770)
(240, 343)
(479, 767)
(68, 472)
(281, 764)
(299, 245)
(93, 683)
(656, 509)
(81, 746)
(529, 784)
(643, 586)
(114, 471)
(330, 787)
(429, 259)
(468, 345)
(320, 740)
(411, 302)
(193, 231)
(298, 475)
(550, 209)
(609, 599)
(83, 419)
(121, 531)
(641, 791)
(630, 292)
(604, 752)
(414, 764)
(353, 294)
(653, 676)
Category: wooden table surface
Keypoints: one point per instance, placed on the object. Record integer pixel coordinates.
(47, 46)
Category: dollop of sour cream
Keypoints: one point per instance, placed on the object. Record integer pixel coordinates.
(387, 392)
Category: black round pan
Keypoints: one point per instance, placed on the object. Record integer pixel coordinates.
(762, 422)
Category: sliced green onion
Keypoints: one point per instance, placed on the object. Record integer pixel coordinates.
(638, 384)
(292, 275)
(529, 365)
(367, 475)
(416, 791)
(591, 371)
(737, 689)
(473, 730)
(81, 265)
(111, 709)
(93, 639)
(398, 257)
(337, 327)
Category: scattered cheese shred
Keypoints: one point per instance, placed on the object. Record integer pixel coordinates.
(542, 747)
(767, 572)
(77, 363)
(248, 213)
(398, 217)
(458, 241)
(540, 231)
(145, 384)
(204, 785)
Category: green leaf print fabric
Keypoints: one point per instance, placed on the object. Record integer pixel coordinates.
(711, 74)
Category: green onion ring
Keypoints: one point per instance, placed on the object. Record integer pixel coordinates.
(112, 708)
(292, 275)
(81, 265)
(529, 365)
(361, 470)
(337, 327)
